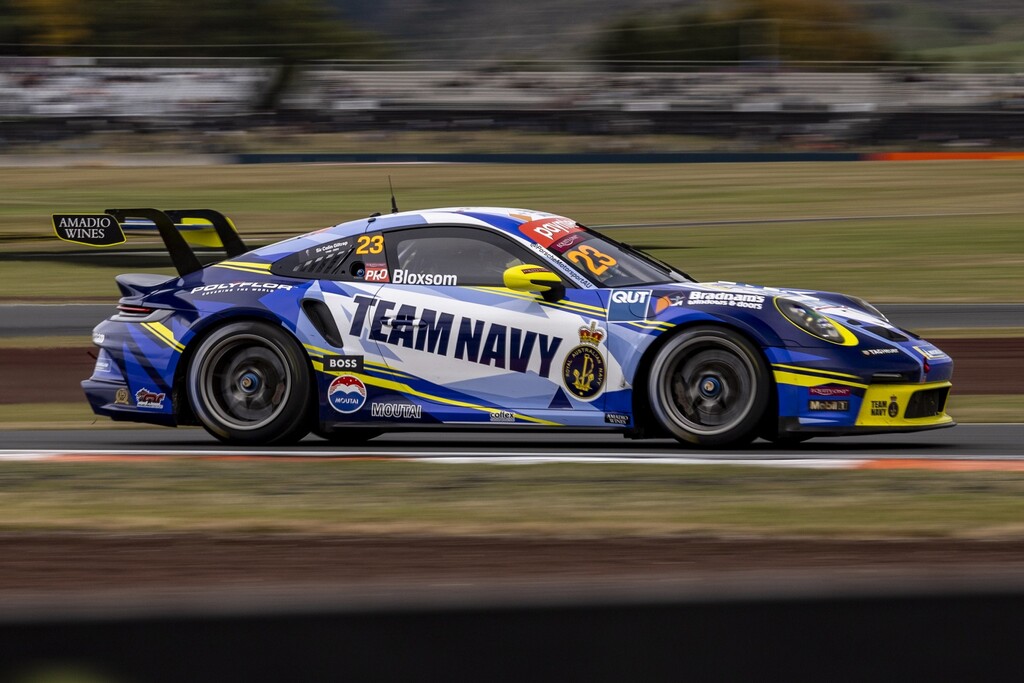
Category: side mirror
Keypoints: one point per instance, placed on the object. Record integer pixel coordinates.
(536, 280)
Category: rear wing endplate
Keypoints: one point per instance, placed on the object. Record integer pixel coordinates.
(170, 224)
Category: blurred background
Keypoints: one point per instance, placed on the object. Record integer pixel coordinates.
(394, 75)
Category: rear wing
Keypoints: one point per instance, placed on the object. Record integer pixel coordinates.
(173, 225)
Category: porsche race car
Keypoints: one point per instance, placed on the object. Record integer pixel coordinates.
(493, 319)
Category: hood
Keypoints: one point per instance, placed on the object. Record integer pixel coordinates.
(740, 295)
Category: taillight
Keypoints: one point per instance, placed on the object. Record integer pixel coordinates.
(134, 310)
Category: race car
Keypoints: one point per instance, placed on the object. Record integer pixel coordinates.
(492, 319)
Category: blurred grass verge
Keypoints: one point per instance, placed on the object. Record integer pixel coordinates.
(909, 231)
(557, 500)
(78, 415)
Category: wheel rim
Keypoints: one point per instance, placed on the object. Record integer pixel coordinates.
(708, 388)
(245, 381)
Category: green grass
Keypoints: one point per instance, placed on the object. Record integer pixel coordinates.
(988, 408)
(352, 498)
(940, 257)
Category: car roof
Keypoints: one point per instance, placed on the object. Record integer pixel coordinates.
(501, 218)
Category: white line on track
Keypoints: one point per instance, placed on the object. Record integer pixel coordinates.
(451, 458)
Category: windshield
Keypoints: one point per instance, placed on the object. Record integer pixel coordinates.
(609, 263)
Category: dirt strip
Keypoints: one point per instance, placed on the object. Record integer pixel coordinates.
(33, 562)
(983, 366)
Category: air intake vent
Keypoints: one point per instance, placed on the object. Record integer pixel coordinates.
(892, 378)
(886, 333)
(323, 321)
(927, 403)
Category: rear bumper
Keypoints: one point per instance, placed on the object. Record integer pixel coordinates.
(113, 400)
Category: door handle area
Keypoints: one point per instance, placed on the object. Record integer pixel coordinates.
(402, 322)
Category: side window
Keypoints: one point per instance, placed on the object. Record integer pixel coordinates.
(452, 256)
(360, 257)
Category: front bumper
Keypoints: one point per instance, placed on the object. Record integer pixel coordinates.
(875, 409)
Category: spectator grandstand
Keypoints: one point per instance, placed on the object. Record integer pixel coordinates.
(709, 100)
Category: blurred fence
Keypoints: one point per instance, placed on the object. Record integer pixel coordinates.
(841, 101)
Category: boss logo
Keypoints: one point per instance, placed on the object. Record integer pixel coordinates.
(349, 363)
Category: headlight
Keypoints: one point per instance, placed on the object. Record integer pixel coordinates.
(809, 320)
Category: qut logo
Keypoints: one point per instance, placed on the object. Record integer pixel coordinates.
(630, 297)
(628, 304)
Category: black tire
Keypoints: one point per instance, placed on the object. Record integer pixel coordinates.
(249, 383)
(710, 387)
(348, 436)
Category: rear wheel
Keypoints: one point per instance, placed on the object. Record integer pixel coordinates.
(249, 383)
(709, 386)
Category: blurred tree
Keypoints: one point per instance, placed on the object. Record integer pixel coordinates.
(811, 30)
(748, 30)
(54, 22)
(282, 29)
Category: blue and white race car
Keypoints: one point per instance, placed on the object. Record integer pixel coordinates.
(493, 318)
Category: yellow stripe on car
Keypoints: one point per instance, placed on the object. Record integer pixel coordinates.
(802, 380)
(815, 371)
(161, 332)
(565, 305)
(244, 268)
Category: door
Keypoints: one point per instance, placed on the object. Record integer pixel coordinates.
(472, 350)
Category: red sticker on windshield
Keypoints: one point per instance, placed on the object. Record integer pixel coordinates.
(562, 245)
(544, 231)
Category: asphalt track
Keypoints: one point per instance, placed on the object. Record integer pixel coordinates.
(36, 320)
(962, 444)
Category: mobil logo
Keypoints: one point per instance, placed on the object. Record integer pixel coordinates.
(346, 394)
(628, 304)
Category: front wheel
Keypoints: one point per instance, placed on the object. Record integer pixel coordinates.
(709, 386)
(249, 383)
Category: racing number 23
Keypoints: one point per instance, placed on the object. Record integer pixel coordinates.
(370, 244)
(592, 259)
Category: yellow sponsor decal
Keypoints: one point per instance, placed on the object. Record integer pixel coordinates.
(885, 405)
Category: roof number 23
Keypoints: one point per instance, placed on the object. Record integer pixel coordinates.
(592, 259)
(370, 244)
